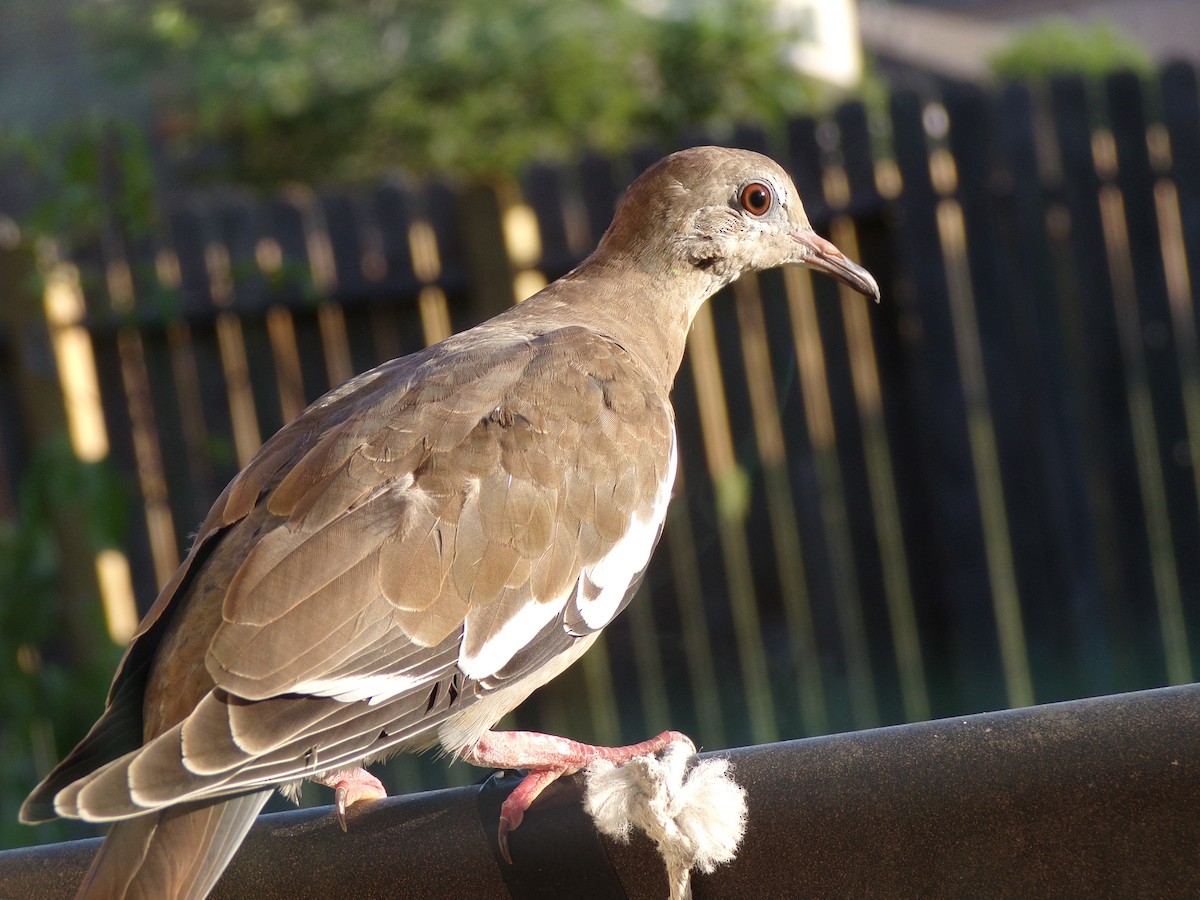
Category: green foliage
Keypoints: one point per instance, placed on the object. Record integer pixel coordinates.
(1060, 46)
(321, 89)
(50, 694)
(98, 174)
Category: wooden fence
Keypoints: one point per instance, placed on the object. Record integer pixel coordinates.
(984, 492)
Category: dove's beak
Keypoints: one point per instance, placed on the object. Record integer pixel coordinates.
(825, 257)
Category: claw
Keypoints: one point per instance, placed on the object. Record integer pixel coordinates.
(502, 837)
(349, 787)
(512, 814)
(339, 806)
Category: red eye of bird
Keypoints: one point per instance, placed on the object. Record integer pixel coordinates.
(755, 198)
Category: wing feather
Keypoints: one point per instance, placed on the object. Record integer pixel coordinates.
(413, 542)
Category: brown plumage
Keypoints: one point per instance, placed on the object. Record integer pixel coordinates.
(425, 545)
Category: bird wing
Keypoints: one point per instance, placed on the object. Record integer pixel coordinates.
(476, 505)
(417, 539)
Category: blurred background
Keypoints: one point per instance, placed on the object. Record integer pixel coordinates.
(984, 492)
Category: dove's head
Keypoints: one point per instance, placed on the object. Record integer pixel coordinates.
(725, 212)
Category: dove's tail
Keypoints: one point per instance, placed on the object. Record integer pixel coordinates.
(178, 852)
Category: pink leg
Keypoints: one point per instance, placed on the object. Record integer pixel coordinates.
(350, 786)
(548, 758)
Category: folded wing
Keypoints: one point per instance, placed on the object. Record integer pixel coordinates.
(434, 532)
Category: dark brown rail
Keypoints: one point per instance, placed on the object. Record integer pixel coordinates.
(1091, 798)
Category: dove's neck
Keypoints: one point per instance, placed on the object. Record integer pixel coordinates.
(647, 310)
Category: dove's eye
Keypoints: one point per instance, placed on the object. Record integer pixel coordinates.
(756, 198)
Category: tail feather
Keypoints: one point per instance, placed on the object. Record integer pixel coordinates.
(117, 733)
(178, 852)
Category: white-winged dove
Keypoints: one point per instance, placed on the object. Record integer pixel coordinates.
(424, 546)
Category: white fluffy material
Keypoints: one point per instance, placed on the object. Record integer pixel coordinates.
(693, 811)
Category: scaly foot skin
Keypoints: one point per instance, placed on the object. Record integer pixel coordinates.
(548, 758)
(349, 787)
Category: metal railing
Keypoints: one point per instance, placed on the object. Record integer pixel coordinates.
(1091, 798)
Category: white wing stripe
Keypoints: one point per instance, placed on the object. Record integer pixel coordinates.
(614, 572)
(504, 644)
(373, 688)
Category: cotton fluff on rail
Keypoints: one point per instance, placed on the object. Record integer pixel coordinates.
(693, 810)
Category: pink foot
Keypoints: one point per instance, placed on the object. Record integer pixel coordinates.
(349, 787)
(548, 758)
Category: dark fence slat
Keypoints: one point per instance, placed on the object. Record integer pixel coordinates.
(356, 291)
(123, 458)
(598, 178)
(862, 203)
(994, 383)
(1123, 554)
(1168, 490)
(289, 278)
(476, 231)
(1181, 117)
(438, 205)
(290, 284)
(339, 212)
(189, 243)
(545, 191)
(391, 211)
(803, 162)
(1055, 482)
(236, 228)
(397, 316)
(949, 565)
(858, 160)
(875, 521)
(237, 225)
